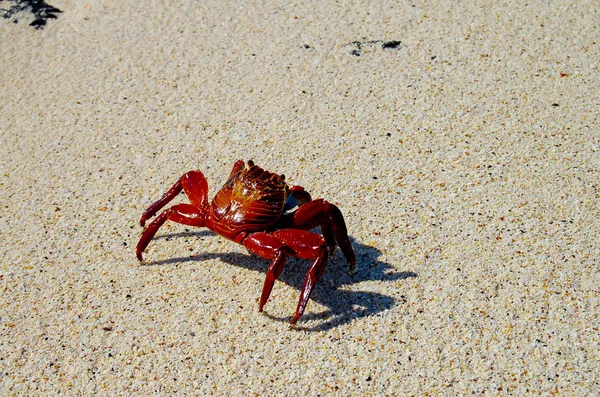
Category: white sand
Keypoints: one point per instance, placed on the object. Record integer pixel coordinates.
(466, 162)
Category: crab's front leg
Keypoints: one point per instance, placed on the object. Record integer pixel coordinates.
(281, 243)
(185, 214)
(193, 183)
(195, 187)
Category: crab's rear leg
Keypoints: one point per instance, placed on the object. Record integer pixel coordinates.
(276, 246)
(328, 216)
(193, 183)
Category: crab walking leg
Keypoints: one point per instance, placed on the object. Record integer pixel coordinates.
(268, 247)
(276, 246)
(186, 214)
(322, 213)
(341, 236)
(329, 237)
(312, 278)
(275, 269)
(193, 183)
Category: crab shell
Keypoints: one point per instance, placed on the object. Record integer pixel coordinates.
(253, 199)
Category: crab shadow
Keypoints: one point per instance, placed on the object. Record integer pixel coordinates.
(343, 303)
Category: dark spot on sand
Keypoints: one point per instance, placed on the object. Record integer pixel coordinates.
(40, 10)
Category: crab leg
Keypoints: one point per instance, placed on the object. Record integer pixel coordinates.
(300, 194)
(275, 269)
(276, 246)
(268, 247)
(193, 183)
(186, 214)
(322, 213)
(312, 278)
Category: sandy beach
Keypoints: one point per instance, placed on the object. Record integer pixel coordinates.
(460, 141)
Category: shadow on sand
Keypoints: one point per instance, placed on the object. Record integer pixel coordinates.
(342, 305)
(39, 10)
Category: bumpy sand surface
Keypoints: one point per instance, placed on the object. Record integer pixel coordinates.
(461, 142)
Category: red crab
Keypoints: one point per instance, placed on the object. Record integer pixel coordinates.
(256, 208)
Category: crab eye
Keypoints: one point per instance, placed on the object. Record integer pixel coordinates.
(282, 177)
(250, 163)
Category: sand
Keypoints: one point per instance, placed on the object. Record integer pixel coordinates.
(461, 142)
